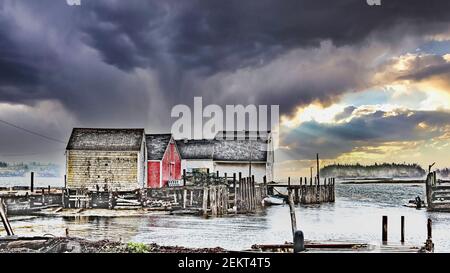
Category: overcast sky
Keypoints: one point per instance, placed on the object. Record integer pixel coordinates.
(354, 82)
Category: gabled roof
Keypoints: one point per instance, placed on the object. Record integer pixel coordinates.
(157, 145)
(106, 139)
(196, 148)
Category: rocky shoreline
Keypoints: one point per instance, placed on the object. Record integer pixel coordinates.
(80, 245)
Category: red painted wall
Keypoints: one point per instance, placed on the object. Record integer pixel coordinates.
(153, 174)
(171, 165)
(171, 168)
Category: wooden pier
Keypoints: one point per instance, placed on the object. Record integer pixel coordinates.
(438, 193)
(307, 192)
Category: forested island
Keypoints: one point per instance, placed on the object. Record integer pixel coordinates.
(22, 168)
(384, 170)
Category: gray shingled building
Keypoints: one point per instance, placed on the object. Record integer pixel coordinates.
(230, 152)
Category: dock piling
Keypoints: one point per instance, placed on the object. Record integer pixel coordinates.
(402, 223)
(292, 212)
(385, 229)
(429, 229)
(32, 182)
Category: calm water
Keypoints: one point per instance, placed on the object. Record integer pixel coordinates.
(356, 215)
(38, 181)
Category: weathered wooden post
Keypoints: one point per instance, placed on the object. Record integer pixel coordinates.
(429, 229)
(265, 186)
(43, 196)
(429, 245)
(205, 201)
(4, 218)
(65, 181)
(385, 229)
(292, 211)
(48, 189)
(235, 192)
(32, 182)
(402, 231)
(318, 171)
(253, 192)
(184, 177)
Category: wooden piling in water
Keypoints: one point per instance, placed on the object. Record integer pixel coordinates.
(292, 211)
(32, 182)
(385, 229)
(402, 229)
(429, 229)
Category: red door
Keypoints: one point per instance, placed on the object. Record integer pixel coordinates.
(153, 174)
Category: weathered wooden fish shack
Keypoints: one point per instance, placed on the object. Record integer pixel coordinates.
(101, 162)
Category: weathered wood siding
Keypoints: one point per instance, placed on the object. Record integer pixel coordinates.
(118, 170)
(258, 169)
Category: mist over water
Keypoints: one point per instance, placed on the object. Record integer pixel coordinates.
(355, 216)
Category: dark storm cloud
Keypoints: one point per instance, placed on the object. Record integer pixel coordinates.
(182, 40)
(185, 43)
(372, 129)
(122, 63)
(224, 34)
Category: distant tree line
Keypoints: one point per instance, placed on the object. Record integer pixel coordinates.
(3, 164)
(389, 170)
(443, 172)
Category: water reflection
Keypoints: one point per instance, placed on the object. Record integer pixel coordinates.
(356, 215)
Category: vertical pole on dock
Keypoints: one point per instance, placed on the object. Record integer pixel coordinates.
(318, 172)
(265, 185)
(235, 191)
(205, 201)
(65, 181)
(32, 182)
(402, 224)
(184, 177)
(253, 193)
(385, 229)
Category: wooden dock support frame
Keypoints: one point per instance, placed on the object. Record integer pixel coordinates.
(384, 229)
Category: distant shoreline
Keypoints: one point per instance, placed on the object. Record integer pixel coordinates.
(382, 181)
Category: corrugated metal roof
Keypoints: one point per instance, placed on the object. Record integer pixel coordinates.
(106, 139)
(157, 145)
